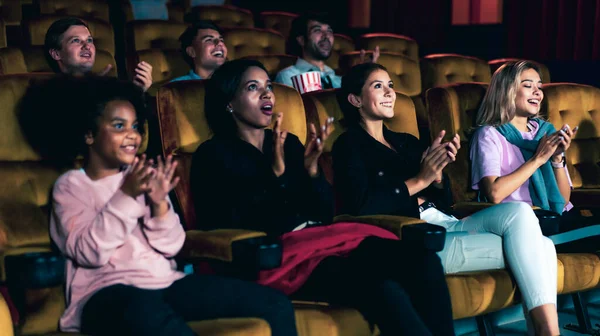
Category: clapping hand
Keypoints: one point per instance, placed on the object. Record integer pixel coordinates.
(163, 180)
(451, 148)
(143, 75)
(278, 142)
(137, 179)
(314, 147)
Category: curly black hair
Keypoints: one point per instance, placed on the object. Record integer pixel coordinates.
(56, 114)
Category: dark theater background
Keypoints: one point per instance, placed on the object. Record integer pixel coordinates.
(563, 34)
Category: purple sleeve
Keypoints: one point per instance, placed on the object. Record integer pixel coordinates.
(486, 155)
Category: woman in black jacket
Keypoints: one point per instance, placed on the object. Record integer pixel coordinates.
(250, 177)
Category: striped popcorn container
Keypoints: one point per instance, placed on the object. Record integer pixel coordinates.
(307, 82)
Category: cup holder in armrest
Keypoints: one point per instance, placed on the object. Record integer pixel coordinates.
(32, 272)
(251, 256)
(428, 236)
(549, 221)
(35, 270)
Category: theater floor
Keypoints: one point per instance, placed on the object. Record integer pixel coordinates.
(511, 322)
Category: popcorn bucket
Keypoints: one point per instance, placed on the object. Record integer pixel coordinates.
(307, 82)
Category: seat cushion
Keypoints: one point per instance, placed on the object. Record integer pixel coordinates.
(217, 327)
(442, 69)
(577, 105)
(581, 271)
(253, 41)
(477, 293)
(149, 34)
(399, 44)
(278, 21)
(223, 16)
(326, 320)
(79, 8)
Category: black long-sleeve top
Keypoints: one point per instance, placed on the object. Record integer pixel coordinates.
(369, 177)
(234, 186)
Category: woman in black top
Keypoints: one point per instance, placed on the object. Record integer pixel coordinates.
(377, 171)
(249, 177)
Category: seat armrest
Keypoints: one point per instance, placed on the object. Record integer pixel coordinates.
(215, 244)
(32, 271)
(232, 252)
(413, 230)
(393, 224)
(6, 324)
(464, 209)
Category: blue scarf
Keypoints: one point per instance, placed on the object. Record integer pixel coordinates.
(542, 184)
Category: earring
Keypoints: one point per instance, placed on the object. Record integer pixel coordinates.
(230, 109)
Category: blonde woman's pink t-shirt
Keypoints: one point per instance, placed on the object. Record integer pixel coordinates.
(492, 155)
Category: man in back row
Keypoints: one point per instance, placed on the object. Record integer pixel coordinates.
(203, 48)
(69, 49)
(311, 38)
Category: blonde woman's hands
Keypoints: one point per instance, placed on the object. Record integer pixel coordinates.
(565, 134)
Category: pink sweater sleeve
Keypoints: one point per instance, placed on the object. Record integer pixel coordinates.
(86, 235)
(165, 234)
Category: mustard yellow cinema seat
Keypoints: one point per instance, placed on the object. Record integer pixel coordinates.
(225, 16)
(88, 9)
(392, 43)
(278, 21)
(243, 42)
(442, 69)
(495, 64)
(578, 105)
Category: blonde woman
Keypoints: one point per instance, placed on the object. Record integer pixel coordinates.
(517, 156)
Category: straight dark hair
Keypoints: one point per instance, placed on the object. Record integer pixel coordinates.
(353, 83)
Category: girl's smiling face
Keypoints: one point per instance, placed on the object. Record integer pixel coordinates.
(117, 138)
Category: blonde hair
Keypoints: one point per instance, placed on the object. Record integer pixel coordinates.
(498, 105)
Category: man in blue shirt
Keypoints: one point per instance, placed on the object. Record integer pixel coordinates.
(203, 48)
(311, 38)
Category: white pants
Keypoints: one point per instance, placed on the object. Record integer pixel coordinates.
(530, 256)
